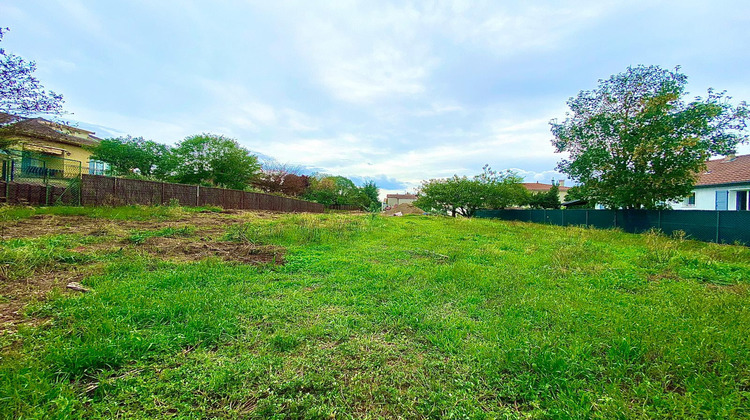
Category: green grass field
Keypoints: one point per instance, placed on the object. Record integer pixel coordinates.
(374, 317)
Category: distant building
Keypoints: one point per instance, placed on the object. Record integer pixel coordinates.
(540, 187)
(396, 199)
(57, 145)
(724, 185)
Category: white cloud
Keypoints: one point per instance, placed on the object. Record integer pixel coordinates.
(298, 121)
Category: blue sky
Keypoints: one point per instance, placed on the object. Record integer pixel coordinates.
(397, 92)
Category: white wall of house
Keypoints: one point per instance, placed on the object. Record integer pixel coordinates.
(705, 198)
(393, 201)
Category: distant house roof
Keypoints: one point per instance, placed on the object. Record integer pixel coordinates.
(537, 186)
(402, 196)
(48, 130)
(728, 170)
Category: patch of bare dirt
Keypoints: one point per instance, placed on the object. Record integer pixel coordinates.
(185, 249)
(404, 209)
(17, 294)
(41, 225)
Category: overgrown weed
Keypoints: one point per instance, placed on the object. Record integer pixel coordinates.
(22, 257)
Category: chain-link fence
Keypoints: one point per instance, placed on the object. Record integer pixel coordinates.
(723, 226)
(34, 178)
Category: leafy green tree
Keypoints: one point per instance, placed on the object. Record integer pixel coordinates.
(633, 142)
(129, 155)
(372, 193)
(549, 199)
(578, 193)
(338, 190)
(461, 195)
(210, 159)
(322, 189)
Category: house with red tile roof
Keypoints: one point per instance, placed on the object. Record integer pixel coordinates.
(724, 185)
(533, 187)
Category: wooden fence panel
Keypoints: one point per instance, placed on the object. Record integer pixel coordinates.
(97, 190)
(136, 191)
(210, 196)
(250, 201)
(232, 199)
(185, 195)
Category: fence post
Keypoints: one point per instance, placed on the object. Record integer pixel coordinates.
(615, 212)
(659, 220)
(197, 196)
(162, 194)
(562, 217)
(718, 214)
(587, 217)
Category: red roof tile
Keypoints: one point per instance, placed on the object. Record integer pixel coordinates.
(726, 171)
(538, 186)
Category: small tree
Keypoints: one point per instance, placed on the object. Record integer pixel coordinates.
(338, 190)
(128, 155)
(549, 199)
(464, 196)
(578, 193)
(211, 159)
(282, 178)
(371, 191)
(633, 142)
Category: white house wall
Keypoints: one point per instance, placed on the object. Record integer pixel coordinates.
(705, 198)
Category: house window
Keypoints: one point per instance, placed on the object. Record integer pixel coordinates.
(722, 200)
(97, 167)
(741, 200)
(690, 200)
(31, 166)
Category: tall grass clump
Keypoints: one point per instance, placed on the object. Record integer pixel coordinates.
(19, 258)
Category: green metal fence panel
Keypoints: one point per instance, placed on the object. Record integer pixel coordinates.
(724, 226)
(697, 224)
(537, 216)
(734, 226)
(637, 221)
(602, 219)
(555, 217)
(576, 217)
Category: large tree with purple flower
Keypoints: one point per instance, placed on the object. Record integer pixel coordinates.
(20, 92)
